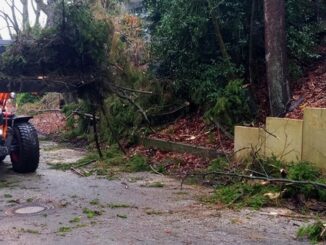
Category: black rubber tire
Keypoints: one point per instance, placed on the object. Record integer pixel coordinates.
(25, 158)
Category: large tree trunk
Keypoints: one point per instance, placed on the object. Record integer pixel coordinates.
(37, 12)
(276, 58)
(25, 16)
(51, 10)
(218, 33)
(251, 41)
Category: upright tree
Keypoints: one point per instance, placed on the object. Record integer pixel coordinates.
(25, 15)
(276, 56)
(50, 9)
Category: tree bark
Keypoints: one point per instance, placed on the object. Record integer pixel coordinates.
(37, 12)
(276, 58)
(51, 11)
(218, 33)
(25, 16)
(251, 40)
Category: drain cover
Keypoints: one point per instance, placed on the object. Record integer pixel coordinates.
(29, 210)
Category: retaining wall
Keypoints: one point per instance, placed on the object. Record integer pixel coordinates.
(288, 139)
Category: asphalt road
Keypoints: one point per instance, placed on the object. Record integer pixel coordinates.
(126, 210)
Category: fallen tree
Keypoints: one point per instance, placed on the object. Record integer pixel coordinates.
(73, 55)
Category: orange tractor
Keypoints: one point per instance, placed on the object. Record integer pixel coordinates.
(18, 138)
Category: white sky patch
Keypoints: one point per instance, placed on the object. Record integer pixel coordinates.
(5, 8)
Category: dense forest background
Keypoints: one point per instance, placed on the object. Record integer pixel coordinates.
(141, 60)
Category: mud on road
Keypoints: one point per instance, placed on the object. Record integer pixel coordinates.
(56, 207)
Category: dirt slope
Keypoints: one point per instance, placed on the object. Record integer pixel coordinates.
(311, 89)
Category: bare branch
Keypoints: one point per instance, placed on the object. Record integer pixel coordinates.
(131, 101)
(9, 3)
(219, 126)
(6, 17)
(18, 10)
(13, 7)
(33, 6)
(133, 90)
(8, 27)
(42, 6)
(10, 23)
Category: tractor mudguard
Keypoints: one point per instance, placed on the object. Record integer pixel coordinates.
(18, 119)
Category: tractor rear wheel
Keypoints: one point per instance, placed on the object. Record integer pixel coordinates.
(26, 152)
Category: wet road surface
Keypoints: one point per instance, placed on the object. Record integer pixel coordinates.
(56, 207)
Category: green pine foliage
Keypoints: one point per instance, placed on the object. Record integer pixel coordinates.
(231, 104)
(314, 232)
(78, 43)
(238, 192)
(23, 98)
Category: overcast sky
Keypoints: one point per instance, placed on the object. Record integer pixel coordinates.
(4, 7)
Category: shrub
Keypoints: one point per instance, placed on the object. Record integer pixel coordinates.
(314, 232)
(23, 98)
(137, 164)
(231, 104)
(303, 171)
(244, 195)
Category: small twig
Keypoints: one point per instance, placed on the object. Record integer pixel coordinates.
(118, 67)
(241, 149)
(295, 104)
(255, 172)
(236, 198)
(73, 112)
(266, 131)
(262, 167)
(223, 149)
(125, 184)
(323, 232)
(300, 217)
(220, 127)
(85, 164)
(179, 108)
(155, 171)
(78, 172)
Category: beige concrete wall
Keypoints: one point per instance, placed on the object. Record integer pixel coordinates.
(288, 139)
(284, 138)
(314, 136)
(248, 139)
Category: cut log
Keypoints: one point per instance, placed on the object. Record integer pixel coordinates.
(164, 145)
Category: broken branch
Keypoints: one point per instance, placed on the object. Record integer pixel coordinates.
(269, 179)
(133, 90)
(131, 101)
